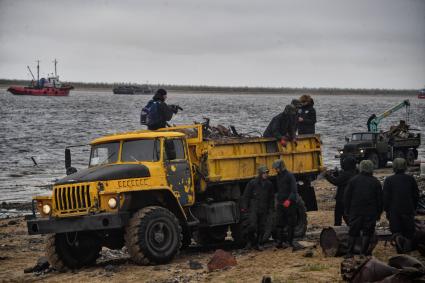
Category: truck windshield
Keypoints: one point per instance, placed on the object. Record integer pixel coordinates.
(140, 150)
(362, 137)
(104, 153)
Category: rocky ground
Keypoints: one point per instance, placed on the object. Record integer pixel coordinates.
(19, 251)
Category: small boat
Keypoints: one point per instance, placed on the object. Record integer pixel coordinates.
(42, 87)
(133, 89)
(421, 94)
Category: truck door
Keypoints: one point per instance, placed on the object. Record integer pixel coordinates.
(178, 171)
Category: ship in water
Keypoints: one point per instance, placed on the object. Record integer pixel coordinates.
(43, 87)
(421, 94)
(133, 89)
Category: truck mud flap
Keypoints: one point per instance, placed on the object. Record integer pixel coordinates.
(307, 193)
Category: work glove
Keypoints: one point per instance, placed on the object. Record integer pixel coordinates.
(287, 203)
(283, 141)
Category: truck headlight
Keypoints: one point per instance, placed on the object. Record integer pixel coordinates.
(112, 203)
(46, 209)
(361, 150)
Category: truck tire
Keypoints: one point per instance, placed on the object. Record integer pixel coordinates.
(399, 154)
(410, 157)
(72, 250)
(300, 228)
(372, 156)
(153, 235)
(213, 235)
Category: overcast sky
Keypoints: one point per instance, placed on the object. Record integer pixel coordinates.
(317, 43)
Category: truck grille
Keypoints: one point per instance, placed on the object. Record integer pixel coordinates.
(71, 199)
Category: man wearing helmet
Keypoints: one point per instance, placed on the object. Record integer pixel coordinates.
(363, 205)
(401, 196)
(257, 201)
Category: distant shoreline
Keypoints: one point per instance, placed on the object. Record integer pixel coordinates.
(232, 90)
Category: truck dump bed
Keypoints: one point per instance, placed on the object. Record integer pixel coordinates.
(227, 159)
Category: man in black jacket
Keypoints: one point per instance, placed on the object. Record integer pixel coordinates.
(306, 116)
(401, 196)
(283, 127)
(363, 205)
(286, 209)
(158, 111)
(257, 201)
(340, 179)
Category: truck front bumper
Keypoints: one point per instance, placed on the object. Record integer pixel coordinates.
(101, 221)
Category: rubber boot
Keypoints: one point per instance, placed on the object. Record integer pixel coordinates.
(365, 245)
(351, 244)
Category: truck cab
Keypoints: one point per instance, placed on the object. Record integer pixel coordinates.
(380, 148)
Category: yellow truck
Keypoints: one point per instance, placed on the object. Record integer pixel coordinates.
(153, 191)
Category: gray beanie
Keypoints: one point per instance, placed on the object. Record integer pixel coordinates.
(262, 169)
(279, 164)
(366, 166)
(399, 164)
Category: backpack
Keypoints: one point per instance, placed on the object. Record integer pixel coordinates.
(150, 114)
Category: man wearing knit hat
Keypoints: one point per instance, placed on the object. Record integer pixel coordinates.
(401, 196)
(363, 205)
(258, 202)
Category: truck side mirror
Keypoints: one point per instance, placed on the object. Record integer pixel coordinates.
(347, 139)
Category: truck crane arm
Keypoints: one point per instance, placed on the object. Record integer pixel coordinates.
(374, 122)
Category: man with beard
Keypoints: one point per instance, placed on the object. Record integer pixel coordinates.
(363, 205)
(257, 201)
(286, 209)
(341, 179)
(306, 116)
(283, 126)
(401, 196)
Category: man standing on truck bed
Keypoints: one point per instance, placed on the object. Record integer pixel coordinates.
(283, 126)
(306, 116)
(363, 205)
(156, 113)
(257, 201)
(401, 196)
(286, 209)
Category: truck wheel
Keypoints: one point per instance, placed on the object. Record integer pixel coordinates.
(374, 158)
(153, 235)
(72, 250)
(399, 154)
(410, 157)
(301, 227)
(215, 235)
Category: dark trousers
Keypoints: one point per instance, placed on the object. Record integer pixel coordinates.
(362, 223)
(403, 224)
(257, 227)
(339, 213)
(286, 218)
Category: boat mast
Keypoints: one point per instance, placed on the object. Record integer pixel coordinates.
(38, 70)
(55, 61)
(31, 73)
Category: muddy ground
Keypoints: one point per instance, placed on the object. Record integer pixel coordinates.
(19, 251)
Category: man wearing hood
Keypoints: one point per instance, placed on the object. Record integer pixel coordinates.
(157, 111)
(283, 126)
(257, 201)
(341, 179)
(286, 209)
(306, 116)
(401, 196)
(363, 205)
